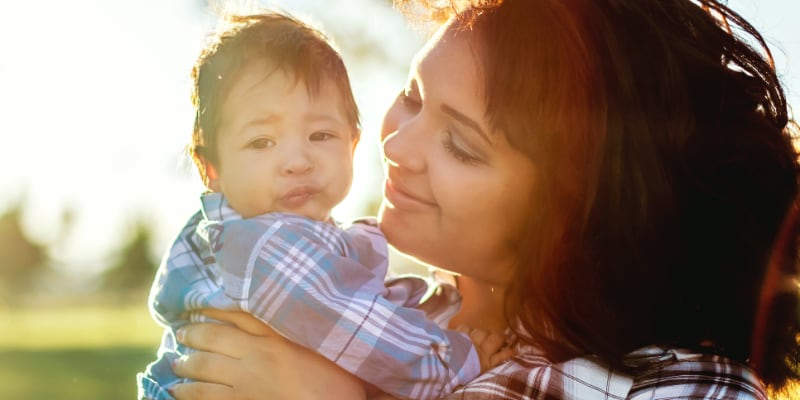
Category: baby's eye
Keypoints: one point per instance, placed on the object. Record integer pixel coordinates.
(261, 143)
(320, 136)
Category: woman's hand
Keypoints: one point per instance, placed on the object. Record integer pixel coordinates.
(250, 361)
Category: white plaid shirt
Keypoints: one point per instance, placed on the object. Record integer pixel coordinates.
(659, 374)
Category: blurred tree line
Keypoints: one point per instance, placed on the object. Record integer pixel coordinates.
(25, 263)
(21, 259)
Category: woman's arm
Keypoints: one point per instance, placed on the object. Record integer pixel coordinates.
(251, 361)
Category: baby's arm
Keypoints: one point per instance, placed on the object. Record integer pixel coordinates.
(179, 277)
(491, 347)
(334, 305)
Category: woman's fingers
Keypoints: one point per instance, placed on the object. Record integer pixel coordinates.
(207, 367)
(477, 336)
(257, 367)
(501, 357)
(492, 343)
(218, 338)
(202, 391)
(489, 345)
(243, 320)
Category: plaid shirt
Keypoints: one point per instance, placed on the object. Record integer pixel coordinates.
(658, 374)
(318, 285)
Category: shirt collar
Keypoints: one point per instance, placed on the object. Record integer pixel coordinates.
(216, 208)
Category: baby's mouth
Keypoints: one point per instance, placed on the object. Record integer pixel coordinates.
(297, 197)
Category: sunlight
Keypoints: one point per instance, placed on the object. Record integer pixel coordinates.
(96, 104)
(100, 114)
(94, 99)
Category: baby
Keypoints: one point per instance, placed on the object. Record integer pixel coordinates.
(275, 129)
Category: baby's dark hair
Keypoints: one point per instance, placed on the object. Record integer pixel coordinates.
(287, 44)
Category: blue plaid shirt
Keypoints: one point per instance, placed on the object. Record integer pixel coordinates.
(317, 284)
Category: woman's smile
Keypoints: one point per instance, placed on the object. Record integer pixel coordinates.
(400, 197)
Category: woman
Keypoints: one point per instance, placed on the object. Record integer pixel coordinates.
(607, 178)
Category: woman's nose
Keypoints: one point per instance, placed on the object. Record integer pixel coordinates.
(403, 142)
(402, 149)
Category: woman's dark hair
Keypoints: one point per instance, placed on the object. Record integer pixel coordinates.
(666, 169)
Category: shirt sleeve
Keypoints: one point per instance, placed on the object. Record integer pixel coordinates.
(186, 281)
(301, 285)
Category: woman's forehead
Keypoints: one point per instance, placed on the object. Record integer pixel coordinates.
(448, 74)
(450, 55)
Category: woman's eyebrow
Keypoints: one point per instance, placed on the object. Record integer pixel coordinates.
(467, 121)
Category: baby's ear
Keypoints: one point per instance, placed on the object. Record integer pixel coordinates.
(208, 172)
(211, 178)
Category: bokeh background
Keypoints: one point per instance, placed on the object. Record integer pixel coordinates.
(94, 117)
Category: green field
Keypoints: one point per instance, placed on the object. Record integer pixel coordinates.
(86, 353)
(58, 327)
(72, 374)
(76, 352)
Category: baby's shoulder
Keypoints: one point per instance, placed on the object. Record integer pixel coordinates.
(368, 221)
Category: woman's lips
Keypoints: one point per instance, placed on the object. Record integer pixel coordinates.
(402, 198)
(297, 197)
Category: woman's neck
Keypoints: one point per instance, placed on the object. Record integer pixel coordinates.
(482, 305)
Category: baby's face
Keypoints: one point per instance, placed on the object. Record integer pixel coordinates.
(279, 149)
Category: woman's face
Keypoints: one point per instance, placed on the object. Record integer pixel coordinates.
(456, 194)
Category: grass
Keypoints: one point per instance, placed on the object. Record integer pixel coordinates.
(75, 352)
(72, 374)
(89, 352)
(56, 327)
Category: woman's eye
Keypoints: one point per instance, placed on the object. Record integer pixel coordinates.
(261, 143)
(320, 136)
(460, 154)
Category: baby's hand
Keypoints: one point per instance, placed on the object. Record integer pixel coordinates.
(490, 346)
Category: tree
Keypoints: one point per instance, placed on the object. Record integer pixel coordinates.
(134, 265)
(22, 260)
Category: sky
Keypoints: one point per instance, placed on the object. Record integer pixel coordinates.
(95, 110)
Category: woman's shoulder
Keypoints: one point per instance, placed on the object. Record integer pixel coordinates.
(663, 373)
(658, 373)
